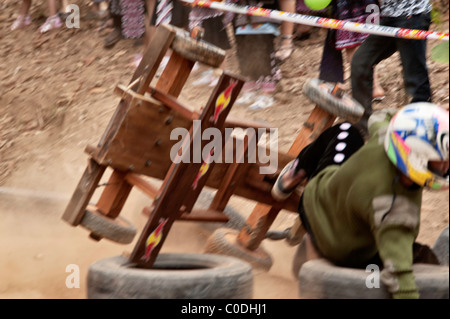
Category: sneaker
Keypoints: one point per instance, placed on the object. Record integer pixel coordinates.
(287, 181)
(53, 22)
(20, 22)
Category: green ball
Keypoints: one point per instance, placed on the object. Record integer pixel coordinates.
(317, 4)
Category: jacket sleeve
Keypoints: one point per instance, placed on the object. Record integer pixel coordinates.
(379, 120)
(396, 224)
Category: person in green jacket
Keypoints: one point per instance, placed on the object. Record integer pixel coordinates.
(361, 204)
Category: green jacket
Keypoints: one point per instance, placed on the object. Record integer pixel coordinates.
(359, 208)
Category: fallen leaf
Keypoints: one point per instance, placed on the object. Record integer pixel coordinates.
(97, 90)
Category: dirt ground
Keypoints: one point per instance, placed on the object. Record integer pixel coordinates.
(56, 98)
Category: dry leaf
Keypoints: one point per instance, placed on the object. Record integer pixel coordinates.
(97, 90)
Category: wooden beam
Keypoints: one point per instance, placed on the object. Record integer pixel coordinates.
(114, 195)
(142, 184)
(207, 215)
(83, 192)
(173, 103)
(182, 178)
(233, 177)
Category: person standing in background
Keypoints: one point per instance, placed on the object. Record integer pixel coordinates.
(24, 18)
(408, 14)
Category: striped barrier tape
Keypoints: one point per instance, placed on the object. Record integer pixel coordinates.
(322, 22)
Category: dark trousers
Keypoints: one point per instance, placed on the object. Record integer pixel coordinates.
(377, 48)
(333, 147)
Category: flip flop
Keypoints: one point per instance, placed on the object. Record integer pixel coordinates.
(284, 52)
(378, 98)
(52, 22)
(20, 22)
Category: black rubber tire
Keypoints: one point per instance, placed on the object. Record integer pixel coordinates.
(224, 242)
(344, 107)
(173, 276)
(441, 248)
(320, 279)
(197, 50)
(118, 230)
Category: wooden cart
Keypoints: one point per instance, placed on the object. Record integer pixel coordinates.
(137, 144)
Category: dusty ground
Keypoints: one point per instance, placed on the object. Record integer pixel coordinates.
(56, 97)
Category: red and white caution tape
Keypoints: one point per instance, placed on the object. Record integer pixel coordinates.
(322, 22)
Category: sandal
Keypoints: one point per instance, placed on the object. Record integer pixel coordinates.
(378, 95)
(114, 37)
(53, 22)
(20, 22)
(285, 50)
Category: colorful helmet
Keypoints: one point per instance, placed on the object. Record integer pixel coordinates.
(418, 134)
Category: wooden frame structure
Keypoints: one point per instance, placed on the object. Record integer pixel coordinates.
(136, 143)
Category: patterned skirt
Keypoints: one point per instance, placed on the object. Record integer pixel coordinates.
(132, 15)
(354, 11)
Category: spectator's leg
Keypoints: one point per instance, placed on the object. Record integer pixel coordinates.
(373, 50)
(286, 46)
(25, 7)
(413, 56)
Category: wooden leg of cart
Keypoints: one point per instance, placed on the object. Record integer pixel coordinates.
(262, 216)
(185, 179)
(85, 189)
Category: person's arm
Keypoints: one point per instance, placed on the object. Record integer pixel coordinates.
(396, 224)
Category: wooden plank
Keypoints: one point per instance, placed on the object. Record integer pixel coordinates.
(142, 144)
(175, 75)
(114, 195)
(142, 184)
(262, 215)
(181, 179)
(145, 71)
(232, 178)
(172, 103)
(123, 92)
(83, 192)
(157, 49)
(207, 215)
(317, 122)
(196, 215)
